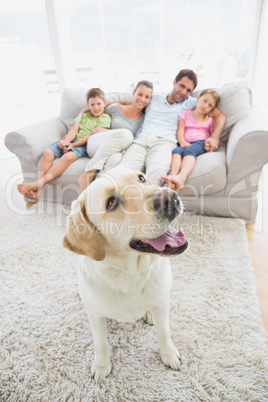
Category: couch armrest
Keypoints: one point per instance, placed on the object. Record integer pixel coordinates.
(28, 143)
(247, 147)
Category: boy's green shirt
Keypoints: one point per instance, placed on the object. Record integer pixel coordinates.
(88, 123)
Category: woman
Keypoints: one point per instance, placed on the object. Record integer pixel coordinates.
(105, 149)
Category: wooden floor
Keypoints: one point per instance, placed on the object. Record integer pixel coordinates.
(258, 246)
(12, 205)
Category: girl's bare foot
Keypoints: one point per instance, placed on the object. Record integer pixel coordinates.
(168, 184)
(175, 182)
(24, 188)
(34, 195)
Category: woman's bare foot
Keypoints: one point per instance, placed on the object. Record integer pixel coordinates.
(24, 188)
(86, 179)
(175, 182)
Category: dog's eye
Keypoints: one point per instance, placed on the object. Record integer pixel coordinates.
(142, 178)
(112, 203)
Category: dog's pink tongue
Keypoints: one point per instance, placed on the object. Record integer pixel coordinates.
(171, 237)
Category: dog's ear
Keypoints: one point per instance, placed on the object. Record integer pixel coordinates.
(81, 237)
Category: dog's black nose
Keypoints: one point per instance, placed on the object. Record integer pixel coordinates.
(168, 203)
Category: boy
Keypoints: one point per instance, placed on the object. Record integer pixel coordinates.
(71, 147)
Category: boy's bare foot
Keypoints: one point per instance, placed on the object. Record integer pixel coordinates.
(86, 179)
(24, 188)
(175, 182)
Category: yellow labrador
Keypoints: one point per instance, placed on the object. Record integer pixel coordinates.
(120, 226)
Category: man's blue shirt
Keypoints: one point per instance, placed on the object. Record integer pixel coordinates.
(161, 118)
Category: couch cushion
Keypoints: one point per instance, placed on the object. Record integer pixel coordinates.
(208, 175)
(73, 100)
(235, 103)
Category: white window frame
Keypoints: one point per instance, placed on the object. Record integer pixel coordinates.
(259, 67)
(61, 43)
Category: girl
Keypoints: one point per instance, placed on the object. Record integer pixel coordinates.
(194, 128)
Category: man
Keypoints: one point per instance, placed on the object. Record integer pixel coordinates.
(151, 150)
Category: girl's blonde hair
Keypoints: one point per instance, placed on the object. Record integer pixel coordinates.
(216, 97)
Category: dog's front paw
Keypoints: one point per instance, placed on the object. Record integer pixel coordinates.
(171, 357)
(148, 317)
(100, 370)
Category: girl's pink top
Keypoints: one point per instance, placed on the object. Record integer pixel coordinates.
(195, 131)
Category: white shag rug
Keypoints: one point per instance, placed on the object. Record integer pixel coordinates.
(46, 348)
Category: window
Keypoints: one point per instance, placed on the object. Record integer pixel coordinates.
(28, 79)
(116, 42)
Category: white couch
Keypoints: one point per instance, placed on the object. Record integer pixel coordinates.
(223, 183)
